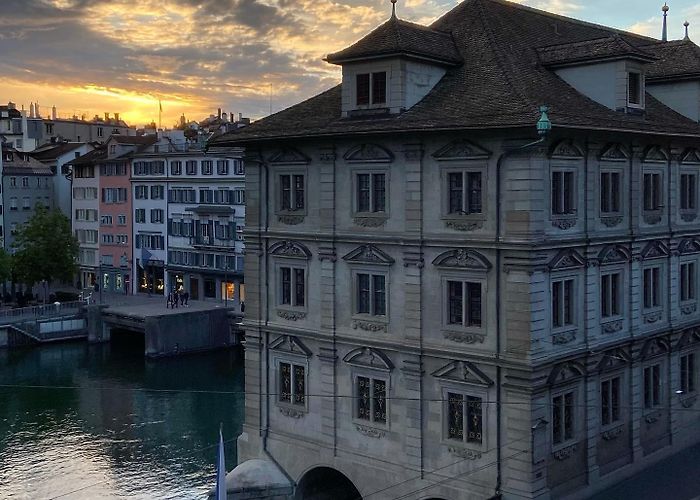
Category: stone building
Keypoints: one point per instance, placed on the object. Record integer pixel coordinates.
(443, 305)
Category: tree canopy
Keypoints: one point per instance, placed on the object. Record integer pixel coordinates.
(45, 248)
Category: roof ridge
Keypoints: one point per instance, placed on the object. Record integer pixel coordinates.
(560, 17)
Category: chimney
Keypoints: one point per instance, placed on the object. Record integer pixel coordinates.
(36, 110)
(116, 116)
(224, 116)
(106, 117)
(240, 117)
(53, 113)
(219, 113)
(31, 110)
(11, 105)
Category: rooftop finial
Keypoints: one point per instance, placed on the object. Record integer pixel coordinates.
(686, 24)
(664, 31)
(393, 8)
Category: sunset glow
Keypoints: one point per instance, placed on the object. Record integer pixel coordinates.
(246, 56)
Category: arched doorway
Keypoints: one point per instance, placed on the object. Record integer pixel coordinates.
(324, 483)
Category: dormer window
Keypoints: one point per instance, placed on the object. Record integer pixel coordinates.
(371, 88)
(634, 89)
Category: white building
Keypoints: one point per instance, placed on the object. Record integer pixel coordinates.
(188, 220)
(443, 304)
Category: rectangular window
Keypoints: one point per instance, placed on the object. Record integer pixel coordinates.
(292, 384)
(464, 303)
(157, 192)
(562, 303)
(610, 291)
(464, 192)
(222, 167)
(362, 89)
(688, 375)
(371, 400)
(207, 167)
(688, 192)
(121, 220)
(610, 401)
(291, 192)
(652, 192)
(379, 87)
(563, 193)
(175, 168)
(106, 220)
(652, 287)
(652, 386)
(292, 286)
(141, 192)
(465, 418)
(191, 167)
(610, 192)
(140, 215)
(687, 283)
(157, 216)
(371, 192)
(563, 417)
(634, 88)
(371, 294)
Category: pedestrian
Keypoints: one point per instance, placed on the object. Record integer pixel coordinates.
(181, 294)
(242, 306)
(176, 298)
(187, 298)
(169, 301)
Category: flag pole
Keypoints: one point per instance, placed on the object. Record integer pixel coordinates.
(221, 492)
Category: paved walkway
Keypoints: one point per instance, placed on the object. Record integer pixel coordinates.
(676, 478)
(155, 305)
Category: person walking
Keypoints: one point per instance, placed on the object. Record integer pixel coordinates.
(187, 298)
(169, 301)
(176, 298)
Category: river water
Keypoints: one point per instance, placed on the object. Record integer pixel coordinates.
(81, 421)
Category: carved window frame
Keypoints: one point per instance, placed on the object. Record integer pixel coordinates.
(688, 214)
(278, 261)
(567, 219)
(688, 306)
(694, 376)
(659, 361)
(653, 217)
(464, 167)
(382, 370)
(371, 170)
(575, 389)
(653, 310)
(465, 276)
(612, 218)
(619, 268)
(372, 270)
(563, 276)
(291, 171)
(620, 374)
(293, 360)
(351, 77)
(466, 389)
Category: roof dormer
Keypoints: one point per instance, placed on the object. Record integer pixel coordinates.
(393, 67)
(609, 70)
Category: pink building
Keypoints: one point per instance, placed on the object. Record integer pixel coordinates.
(116, 254)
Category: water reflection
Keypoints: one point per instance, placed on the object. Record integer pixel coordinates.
(120, 426)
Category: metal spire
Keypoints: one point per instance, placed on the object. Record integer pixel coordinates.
(686, 24)
(664, 31)
(393, 9)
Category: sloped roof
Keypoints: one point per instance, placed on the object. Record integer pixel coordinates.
(23, 164)
(678, 58)
(90, 157)
(53, 151)
(134, 139)
(398, 37)
(612, 47)
(500, 84)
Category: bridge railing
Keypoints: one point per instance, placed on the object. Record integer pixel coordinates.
(42, 311)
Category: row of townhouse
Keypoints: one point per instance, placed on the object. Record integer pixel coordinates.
(152, 215)
(445, 304)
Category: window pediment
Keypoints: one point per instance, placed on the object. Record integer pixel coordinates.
(369, 153)
(464, 372)
(567, 150)
(655, 154)
(288, 156)
(690, 156)
(462, 258)
(689, 337)
(613, 359)
(688, 245)
(368, 254)
(566, 372)
(290, 249)
(366, 357)
(654, 347)
(567, 259)
(462, 149)
(654, 249)
(615, 152)
(614, 253)
(290, 344)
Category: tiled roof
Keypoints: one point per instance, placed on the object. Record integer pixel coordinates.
(53, 151)
(23, 164)
(612, 47)
(134, 139)
(90, 158)
(679, 58)
(396, 37)
(501, 84)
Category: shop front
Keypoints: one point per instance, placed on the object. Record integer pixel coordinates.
(151, 278)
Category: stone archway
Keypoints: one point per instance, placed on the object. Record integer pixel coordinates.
(325, 483)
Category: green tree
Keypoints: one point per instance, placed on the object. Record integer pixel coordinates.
(45, 248)
(5, 266)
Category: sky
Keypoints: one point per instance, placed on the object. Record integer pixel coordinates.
(89, 57)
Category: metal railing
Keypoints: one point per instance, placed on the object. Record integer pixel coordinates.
(42, 311)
